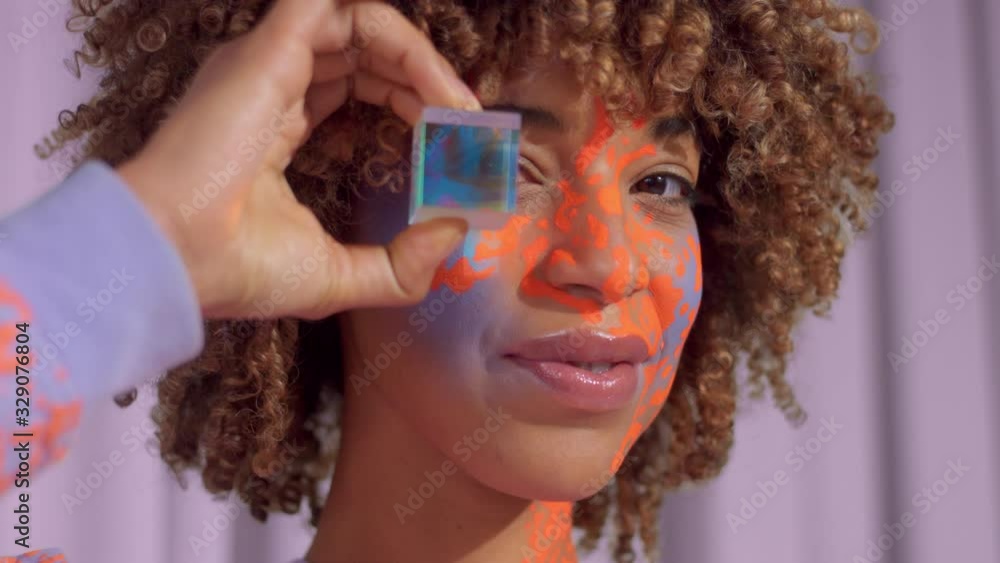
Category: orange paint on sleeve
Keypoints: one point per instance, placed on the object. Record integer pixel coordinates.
(8, 332)
(62, 419)
(8, 362)
(37, 556)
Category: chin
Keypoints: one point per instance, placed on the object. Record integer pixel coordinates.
(548, 463)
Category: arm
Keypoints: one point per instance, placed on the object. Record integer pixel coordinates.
(112, 272)
(101, 300)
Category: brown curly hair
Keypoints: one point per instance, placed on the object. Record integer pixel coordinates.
(788, 132)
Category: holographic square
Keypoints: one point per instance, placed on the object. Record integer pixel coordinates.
(465, 165)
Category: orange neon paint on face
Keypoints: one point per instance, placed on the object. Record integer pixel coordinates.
(649, 282)
(506, 239)
(568, 209)
(535, 251)
(599, 232)
(632, 272)
(561, 255)
(620, 282)
(603, 130)
(610, 196)
(461, 276)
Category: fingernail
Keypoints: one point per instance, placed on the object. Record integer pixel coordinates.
(472, 104)
(464, 96)
(448, 232)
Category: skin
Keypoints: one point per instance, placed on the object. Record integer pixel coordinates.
(587, 248)
(301, 67)
(586, 251)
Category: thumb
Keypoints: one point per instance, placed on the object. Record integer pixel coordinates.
(397, 274)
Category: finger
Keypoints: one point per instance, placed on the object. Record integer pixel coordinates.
(282, 48)
(378, 91)
(387, 34)
(333, 66)
(323, 99)
(368, 61)
(393, 275)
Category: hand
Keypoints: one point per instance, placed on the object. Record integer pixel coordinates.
(286, 76)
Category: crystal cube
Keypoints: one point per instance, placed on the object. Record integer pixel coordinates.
(465, 165)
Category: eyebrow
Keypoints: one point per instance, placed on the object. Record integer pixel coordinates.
(533, 116)
(661, 129)
(665, 128)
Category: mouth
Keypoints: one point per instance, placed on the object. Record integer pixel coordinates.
(583, 369)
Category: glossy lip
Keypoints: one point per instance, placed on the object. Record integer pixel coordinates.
(548, 357)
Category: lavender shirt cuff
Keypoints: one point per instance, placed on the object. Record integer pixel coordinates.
(109, 292)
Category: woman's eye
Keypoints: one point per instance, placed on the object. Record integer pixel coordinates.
(665, 185)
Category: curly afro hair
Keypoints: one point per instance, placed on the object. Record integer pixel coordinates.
(788, 132)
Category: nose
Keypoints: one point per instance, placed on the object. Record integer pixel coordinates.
(591, 255)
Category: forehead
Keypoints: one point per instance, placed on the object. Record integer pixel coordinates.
(552, 85)
(547, 84)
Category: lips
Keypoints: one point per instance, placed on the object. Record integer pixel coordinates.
(585, 370)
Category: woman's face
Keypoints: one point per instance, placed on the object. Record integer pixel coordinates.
(546, 347)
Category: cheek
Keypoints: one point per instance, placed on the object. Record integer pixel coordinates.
(470, 289)
(675, 291)
(493, 259)
(675, 288)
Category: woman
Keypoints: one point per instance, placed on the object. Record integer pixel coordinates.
(689, 170)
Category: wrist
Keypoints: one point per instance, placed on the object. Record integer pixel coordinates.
(137, 175)
(137, 178)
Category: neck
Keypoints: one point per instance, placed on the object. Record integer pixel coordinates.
(396, 498)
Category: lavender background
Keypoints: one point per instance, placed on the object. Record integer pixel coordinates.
(940, 69)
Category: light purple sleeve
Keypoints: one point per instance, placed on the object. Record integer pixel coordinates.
(108, 304)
